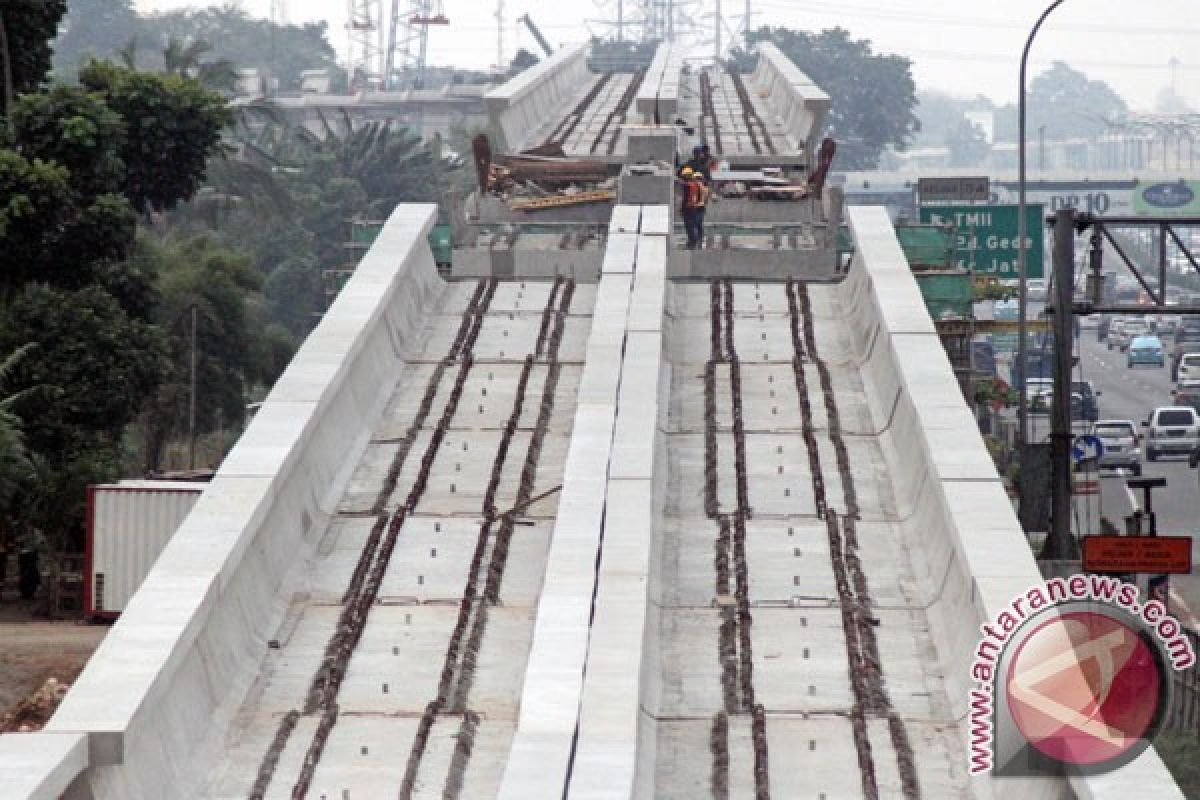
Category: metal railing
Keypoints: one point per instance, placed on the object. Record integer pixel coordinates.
(1185, 700)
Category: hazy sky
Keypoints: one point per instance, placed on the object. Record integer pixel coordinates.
(961, 46)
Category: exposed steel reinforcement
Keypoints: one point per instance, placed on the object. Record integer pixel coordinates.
(487, 568)
(368, 573)
(871, 700)
(486, 571)
(708, 117)
(570, 122)
(613, 122)
(734, 642)
(761, 138)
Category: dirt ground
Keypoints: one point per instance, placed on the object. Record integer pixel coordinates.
(33, 651)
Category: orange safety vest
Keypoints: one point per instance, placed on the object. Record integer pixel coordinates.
(695, 194)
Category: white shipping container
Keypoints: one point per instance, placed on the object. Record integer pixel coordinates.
(129, 523)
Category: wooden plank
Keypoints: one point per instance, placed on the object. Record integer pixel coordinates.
(558, 201)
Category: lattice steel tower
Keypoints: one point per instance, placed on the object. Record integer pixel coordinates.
(407, 52)
(364, 23)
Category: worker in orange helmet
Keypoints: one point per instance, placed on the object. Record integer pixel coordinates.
(693, 204)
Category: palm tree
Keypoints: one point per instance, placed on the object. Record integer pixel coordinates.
(15, 465)
(183, 59)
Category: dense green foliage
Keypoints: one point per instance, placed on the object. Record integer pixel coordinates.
(106, 28)
(81, 305)
(873, 94)
(172, 126)
(135, 242)
(293, 215)
(26, 28)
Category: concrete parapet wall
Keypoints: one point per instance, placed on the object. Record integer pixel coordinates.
(521, 106)
(791, 95)
(41, 766)
(969, 553)
(580, 718)
(668, 89)
(646, 102)
(156, 699)
(614, 755)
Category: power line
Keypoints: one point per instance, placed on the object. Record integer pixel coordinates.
(892, 15)
(1008, 58)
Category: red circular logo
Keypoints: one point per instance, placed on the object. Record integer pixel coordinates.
(1084, 688)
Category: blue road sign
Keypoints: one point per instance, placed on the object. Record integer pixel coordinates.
(1086, 448)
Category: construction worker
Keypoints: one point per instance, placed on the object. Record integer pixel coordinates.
(694, 201)
(701, 163)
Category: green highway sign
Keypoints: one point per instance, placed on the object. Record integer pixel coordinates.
(987, 237)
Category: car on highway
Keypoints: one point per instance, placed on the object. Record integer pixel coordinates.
(1089, 406)
(1121, 444)
(1182, 351)
(1036, 289)
(1188, 329)
(1187, 394)
(1146, 350)
(1189, 368)
(1172, 430)
(1112, 335)
(1130, 330)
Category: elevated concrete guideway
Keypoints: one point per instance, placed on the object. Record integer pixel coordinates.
(612, 522)
(773, 116)
(544, 539)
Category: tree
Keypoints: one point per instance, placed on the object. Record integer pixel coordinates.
(968, 144)
(940, 115)
(233, 349)
(77, 130)
(294, 294)
(522, 61)
(873, 95)
(26, 28)
(283, 51)
(93, 29)
(1070, 104)
(104, 364)
(185, 60)
(15, 467)
(173, 125)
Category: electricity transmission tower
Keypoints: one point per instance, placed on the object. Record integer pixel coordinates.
(406, 54)
(364, 20)
(675, 21)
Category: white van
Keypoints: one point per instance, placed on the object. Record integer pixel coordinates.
(1172, 430)
(1189, 368)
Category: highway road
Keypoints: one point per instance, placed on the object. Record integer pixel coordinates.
(1133, 394)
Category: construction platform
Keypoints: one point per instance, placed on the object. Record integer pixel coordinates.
(773, 116)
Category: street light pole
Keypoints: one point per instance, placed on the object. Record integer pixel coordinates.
(1022, 237)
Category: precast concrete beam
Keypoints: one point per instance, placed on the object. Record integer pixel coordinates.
(41, 766)
(791, 96)
(968, 549)
(156, 699)
(520, 107)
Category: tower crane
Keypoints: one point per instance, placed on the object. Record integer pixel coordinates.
(537, 34)
(407, 50)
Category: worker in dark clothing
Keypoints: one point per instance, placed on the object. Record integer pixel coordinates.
(694, 202)
(700, 163)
